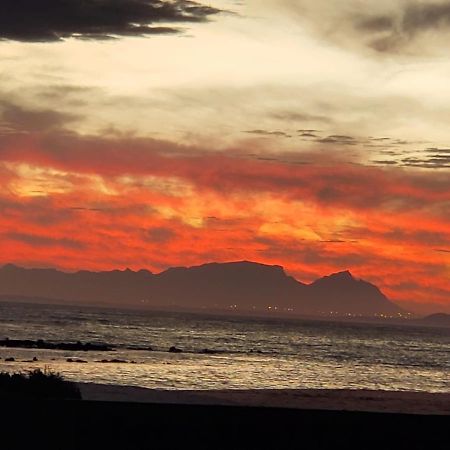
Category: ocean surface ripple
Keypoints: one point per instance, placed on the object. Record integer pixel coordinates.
(242, 353)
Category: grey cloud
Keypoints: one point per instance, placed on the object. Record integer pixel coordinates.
(268, 133)
(434, 161)
(82, 208)
(434, 238)
(438, 150)
(295, 116)
(376, 24)
(43, 241)
(307, 252)
(338, 139)
(386, 27)
(18, 118)
(412, 19)
(390, 153)
(160, 234)
(385, 162)
(54, 20)
(335, 241)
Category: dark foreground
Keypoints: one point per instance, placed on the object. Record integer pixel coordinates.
(75, 424)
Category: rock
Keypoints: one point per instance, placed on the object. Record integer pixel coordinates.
(71, 360)
(10, 359)
(115, 360)
(207, 351)
(174, 349)
(41, 344)
(146, 349)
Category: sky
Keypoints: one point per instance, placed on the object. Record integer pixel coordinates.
(308, 133)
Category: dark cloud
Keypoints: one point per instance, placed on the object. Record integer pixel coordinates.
(266, 158)
(438, 150)
(335, 241)
(309, 253)
(385, 162)
(295, 116)
(43, 241)
(379, 139)
(414, 18)
(160, 234)
(433, 161)
(390, 153)
(409, 27)
(54, 20)
(429, 238)
(309, 131)
(338, 139)
(268, 133)
(17, 118)
(82, 208)
(377, 24)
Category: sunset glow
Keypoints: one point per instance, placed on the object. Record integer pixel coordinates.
(231, 141)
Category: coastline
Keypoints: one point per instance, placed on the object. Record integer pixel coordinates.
(398, 402)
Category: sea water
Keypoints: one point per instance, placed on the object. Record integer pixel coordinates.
(243, 353)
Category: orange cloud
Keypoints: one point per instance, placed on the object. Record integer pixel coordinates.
(86, 202)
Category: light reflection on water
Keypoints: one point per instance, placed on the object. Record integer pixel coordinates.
(295, 354)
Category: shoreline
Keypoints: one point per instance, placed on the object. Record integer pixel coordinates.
(398, 402)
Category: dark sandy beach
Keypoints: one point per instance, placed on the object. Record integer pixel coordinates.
(318, 399)
(172, 420)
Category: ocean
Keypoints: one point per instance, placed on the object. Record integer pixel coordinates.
(243, 353)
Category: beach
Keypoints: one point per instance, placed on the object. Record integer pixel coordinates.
(136, 418)
(317, 399)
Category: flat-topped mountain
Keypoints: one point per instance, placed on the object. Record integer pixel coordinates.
(240, 284)
(243, 285)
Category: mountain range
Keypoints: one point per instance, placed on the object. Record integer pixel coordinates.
(235, 286)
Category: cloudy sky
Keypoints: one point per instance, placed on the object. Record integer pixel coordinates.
(308, 133)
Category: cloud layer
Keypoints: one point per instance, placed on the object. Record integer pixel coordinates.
(383, 26)
(102, 203)
(54, 20)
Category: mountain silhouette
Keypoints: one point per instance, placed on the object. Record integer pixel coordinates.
(240, 286)
(438, 319)
(342, 293)
(113, 287)
(244, 284)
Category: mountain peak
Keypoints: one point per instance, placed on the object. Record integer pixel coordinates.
(343, 277)
(345, 274)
